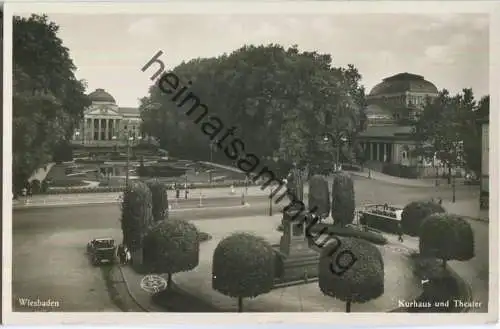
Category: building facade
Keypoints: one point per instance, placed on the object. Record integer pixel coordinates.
(106, 124)
(391, 107)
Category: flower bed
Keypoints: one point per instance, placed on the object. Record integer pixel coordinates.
(107, 189)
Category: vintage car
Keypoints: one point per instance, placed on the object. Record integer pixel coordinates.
(101, 250)
(384, 217)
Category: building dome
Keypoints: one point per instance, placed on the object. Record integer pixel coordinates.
(404, 82)
(100, 95)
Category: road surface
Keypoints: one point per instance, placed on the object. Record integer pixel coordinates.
(49, 242)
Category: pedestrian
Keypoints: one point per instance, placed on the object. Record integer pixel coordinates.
(400, 233)
(177, 191)
(121, 254)
(186, 193)
(440, 201)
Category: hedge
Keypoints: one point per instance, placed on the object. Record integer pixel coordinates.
(319, 196)
(334, 230)
(137, 214)
(447, 237)
(415, 212)
(171, 246)
(243, 267)
(160, 199)
(343, 204)
(363, 279)
(399, 170)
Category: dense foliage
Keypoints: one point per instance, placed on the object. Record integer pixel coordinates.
(447, 237)
(48, 101)
(319, 196)
(343, 203)
(281, 102)
(362, 281)
(171, 246)
(160, 199)
(243, 266)
(137, 213)
(448, 128)
(415, 212)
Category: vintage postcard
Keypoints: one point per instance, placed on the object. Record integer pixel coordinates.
(250, 162)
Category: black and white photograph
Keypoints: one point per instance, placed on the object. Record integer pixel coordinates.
(256, 160)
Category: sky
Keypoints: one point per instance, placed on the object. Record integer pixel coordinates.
(451, 51)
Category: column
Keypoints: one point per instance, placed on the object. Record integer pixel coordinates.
(370, 145)
(106, 129)
(92, 125)
(385, 152)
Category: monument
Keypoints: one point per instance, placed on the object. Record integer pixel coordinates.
(296, 262)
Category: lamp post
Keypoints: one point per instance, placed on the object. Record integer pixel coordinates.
(453, 186)
(337, 141)
(129, 139)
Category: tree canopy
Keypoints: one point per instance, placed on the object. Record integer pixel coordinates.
(48, 100)
(448, 128)
(280, 101)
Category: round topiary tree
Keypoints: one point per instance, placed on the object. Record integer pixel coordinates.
(136, 217)
(171, 246)
(351, 270)
(243, 267)
(447, 237)
(415, 212)
(319, 196)
(343, 204)
(160, 199)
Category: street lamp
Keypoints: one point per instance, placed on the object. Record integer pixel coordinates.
(337, 141)
(453, 186)
(128, 140)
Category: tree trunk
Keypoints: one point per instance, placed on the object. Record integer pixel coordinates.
(348, 307)
(449, 175)
(169, 281)
(240, 304)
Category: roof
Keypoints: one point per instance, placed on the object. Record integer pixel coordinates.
(101, 95)
(403, 82)
(386, 131)
(129, 111)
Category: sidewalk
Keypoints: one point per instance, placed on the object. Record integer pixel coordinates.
(114, 197)
(400, 282)
(393, 180)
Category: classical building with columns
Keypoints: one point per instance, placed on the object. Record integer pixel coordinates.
(105, 124)
(392, 105)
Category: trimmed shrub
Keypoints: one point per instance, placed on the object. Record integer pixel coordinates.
(447, 237)
(243, 267)
(415, 212)
(343, 205)
(370, 236)
(171, 246)
(137, 213)
(363, 279)
(319, 196)
(160, 199)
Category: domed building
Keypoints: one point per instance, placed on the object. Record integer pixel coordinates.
(106, 124)
(392, 105)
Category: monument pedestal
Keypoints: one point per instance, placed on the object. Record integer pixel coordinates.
(295, 260)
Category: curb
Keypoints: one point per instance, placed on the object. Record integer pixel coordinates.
(129, 292)
(354, 173)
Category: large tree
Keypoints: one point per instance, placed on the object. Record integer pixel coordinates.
(48, 100)
(278, 100)
(437, 131)
(448, 128)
